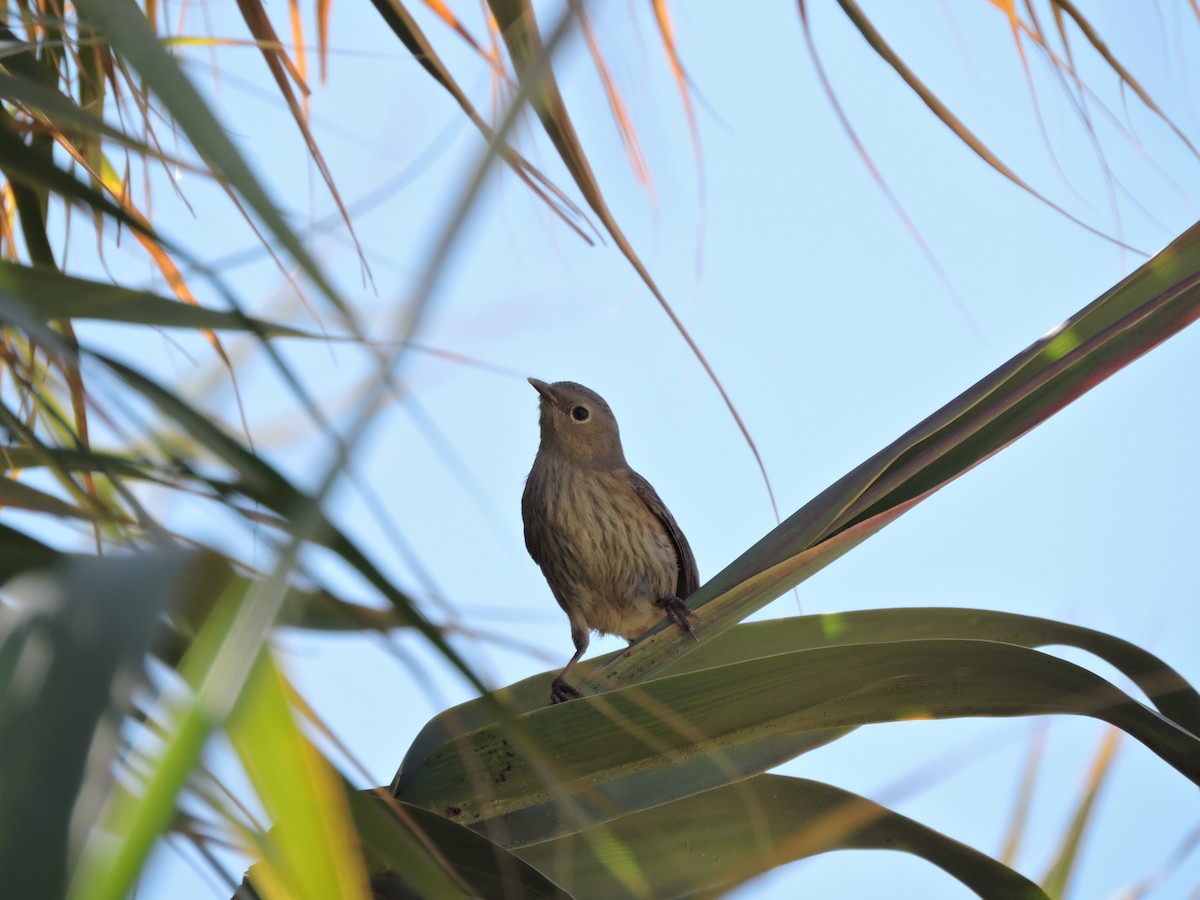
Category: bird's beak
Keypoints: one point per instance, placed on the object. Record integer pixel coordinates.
(544, 389)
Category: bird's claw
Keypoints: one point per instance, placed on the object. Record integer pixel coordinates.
(561, 691)
(679, 613)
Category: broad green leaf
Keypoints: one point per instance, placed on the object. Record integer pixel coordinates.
(72, 646)
(396, 838)
(1165, 687)
(1167, 690)
(533, 693)
(44, 294)
(606, 755)
(715, 839)
(311, 850)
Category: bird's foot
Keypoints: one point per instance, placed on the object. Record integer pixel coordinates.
(679, 613)
(561, 691)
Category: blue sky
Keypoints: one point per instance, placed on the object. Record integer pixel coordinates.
(827, 326)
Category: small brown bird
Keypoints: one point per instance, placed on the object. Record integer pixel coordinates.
(611, 551)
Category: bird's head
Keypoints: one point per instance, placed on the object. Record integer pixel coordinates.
(578, 426)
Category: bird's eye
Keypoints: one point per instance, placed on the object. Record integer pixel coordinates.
(580, 414)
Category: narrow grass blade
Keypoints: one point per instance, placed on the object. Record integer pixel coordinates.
(65, 114)
(1059, 873)
(39, 294)
(17, 494)
(22, 163)
(265, 483)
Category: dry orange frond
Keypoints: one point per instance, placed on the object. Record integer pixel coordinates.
(8, 213)
(298, 44)
(323, 36)
(443, 12)
(625, 127)
(663, 16)
(260, 26)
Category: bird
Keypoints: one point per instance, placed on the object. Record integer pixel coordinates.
(612, 553)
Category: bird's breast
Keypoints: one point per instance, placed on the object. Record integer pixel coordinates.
(606, 556)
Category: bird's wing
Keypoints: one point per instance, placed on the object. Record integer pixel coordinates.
(531, 517)
(689, 577)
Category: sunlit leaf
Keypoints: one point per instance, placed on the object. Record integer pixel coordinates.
(311, 851)
(613, 753)
(1165, 687)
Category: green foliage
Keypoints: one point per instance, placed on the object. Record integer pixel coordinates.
(667, 755)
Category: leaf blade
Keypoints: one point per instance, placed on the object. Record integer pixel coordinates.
(728, 835)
